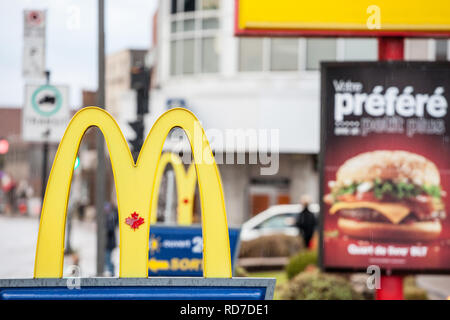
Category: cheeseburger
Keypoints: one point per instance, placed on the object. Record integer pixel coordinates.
(388, 195)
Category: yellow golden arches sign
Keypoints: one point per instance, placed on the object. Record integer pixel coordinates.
(186, 182)
(135, 184)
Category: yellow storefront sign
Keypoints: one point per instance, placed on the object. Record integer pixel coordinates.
(330, 17)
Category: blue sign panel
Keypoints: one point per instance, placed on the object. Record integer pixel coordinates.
(174, 288)
(178, 250)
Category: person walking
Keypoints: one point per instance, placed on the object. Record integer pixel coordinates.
(111, 224)
(306, 221)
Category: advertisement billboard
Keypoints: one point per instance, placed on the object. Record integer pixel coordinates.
(385, 166)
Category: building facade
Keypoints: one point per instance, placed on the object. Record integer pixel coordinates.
(265, 86)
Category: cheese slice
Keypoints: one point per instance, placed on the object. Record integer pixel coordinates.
(395, 212)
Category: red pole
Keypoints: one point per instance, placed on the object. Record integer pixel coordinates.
(390, 48)
(391, 288)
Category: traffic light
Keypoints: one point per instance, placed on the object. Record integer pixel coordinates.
(4, 146)
(136, 143)
(140, 81)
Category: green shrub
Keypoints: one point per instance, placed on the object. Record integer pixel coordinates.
(411, 291)
(315, 285)
(279, 245)
(300, 261)
(414, 293)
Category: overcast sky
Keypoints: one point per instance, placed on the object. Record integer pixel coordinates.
(71, 47)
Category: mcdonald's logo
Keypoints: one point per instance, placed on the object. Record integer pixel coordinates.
(185, 182)
(137, 186)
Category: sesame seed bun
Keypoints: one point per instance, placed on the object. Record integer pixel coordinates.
(388, 165)
(416, 231)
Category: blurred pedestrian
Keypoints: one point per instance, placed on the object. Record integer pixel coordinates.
(111, 217)
(306, 221)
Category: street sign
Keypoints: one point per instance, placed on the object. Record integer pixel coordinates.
(46, 113)
(33, 64)
(186, 181)
(404, 18)
(177, 251)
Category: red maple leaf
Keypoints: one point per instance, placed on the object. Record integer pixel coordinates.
(134, 221)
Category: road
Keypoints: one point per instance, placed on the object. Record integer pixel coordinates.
(18, 237)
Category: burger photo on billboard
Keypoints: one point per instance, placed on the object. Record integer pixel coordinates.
(388, 196)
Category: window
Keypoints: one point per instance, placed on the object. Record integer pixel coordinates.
(318, 50)
(188, 56)
(174, 50)
(173, 6)
(210, 23)
(189, 5)
(441, 49)
(251, 54)
(210, 4)
(182, 6)
(360, 49)
(417, 49)
(194, 42)
(268, 54)
(188, 25)
(283, 54)
(278, 222)
(209, 55)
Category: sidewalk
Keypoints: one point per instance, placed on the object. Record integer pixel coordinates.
(438, 287)
(18, 237)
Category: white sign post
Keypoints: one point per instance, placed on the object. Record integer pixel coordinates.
(33, 65)
(46, 113)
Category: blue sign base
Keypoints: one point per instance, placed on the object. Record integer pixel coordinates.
(137, 289)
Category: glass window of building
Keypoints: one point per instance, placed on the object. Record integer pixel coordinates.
(441, 46)
(318, 50)
(251, 54)
(173, 6)
(210, 23)
(283, 54)
(188, 25)
(210, 4)
(268, 54)
(174, 54)
(188, 56)
(360, 49)
(188, 5)
(194, 42)
(210, 56)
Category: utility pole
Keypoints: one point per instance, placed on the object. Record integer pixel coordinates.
(45, 148)
(100, 178)
(391, 286)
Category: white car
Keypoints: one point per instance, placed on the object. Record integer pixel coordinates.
(278, 219)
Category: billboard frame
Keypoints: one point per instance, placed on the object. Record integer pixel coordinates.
(323, 71)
